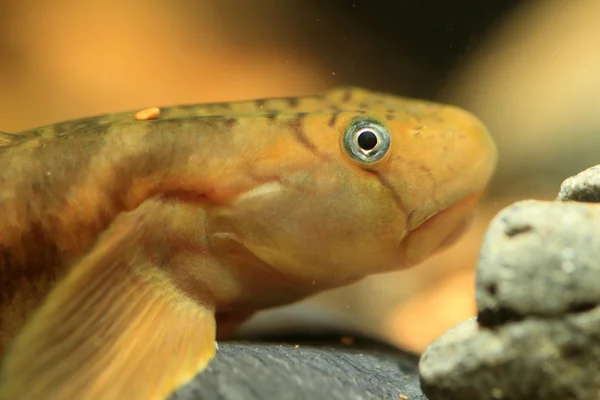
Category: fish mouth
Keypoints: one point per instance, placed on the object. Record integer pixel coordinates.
(439, 231)
(462, 214)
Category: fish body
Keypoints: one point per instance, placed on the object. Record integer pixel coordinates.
(128, 246)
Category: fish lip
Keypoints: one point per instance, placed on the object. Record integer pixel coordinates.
(461, 226)
(458, 232)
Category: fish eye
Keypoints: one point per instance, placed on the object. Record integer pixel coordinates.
(366, 140)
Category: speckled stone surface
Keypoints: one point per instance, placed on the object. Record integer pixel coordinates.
(584, 187)
(306, 368)
(537, 331)
(539, 258)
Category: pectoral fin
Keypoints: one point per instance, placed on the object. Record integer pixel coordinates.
(114, 328)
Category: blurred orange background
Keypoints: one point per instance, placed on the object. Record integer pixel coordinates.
(529, 69)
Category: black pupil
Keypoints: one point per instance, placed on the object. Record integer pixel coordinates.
(367, 140)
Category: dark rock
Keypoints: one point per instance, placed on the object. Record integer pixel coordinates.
(306, 369)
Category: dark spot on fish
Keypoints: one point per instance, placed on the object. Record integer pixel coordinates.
(183, 107)
(389, 117)
(91, 125)
(347, 96)
(272, 116)
(300, 116)
(226, 105)
(364, 105)
(296, 125)
(197, 106)
(292, 102)
(333, 119)
(230, 122)
(260, 103)
(216, 121)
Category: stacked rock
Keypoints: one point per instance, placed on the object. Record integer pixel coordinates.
(537, 330)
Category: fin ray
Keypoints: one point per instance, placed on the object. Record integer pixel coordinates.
(115, 327)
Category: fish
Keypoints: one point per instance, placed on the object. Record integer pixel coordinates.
(131, 242)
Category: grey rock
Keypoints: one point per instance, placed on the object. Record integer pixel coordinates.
(537, 332)
(323, 369)
(529, 360)
(584, 187)
(539, 259)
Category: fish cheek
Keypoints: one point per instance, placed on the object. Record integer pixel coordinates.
(332, 227)
(367, 222)
(277, 224)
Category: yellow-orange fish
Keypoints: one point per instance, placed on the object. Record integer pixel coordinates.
(127, 242)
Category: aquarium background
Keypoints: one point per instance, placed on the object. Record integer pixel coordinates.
(529, 69)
